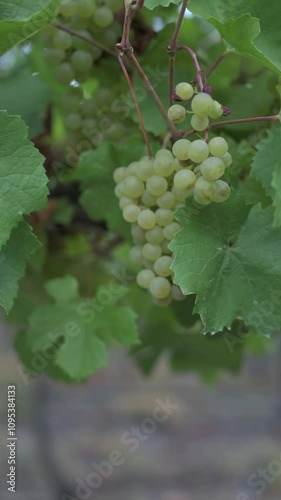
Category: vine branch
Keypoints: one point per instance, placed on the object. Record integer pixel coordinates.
(172, 47)
(217, 62)
(236, 121)
(196, 64)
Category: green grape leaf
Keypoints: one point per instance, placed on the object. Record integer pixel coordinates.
(151, 4)
(266, 167)
(77, 331)
(21, 20)
(246, 25)
(23, 186)
(13, 256)
(232, 262)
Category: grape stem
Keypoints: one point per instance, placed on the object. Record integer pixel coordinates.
(87, 39)
(217, 62)
(126, 48)
(145, 136)
(196, 64)
(172, 48)
(239, 120)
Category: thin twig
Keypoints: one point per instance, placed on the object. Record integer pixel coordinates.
(172, 51)
(217, 62)
(87, 39)
(239, 120)
(145, 136)
(196, 64)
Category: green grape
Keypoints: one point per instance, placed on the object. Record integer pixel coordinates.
(62, 40)
(132, 187)
(80, 44)
(73, 121)
(67, 8)
(199, 124)
(227, 158)
(167, 200)
(163, 216)
(145, 277)
(81, 61)
(119, 174)
(135, 255)
(131, 213)
(155, 235)
(148, 264)
(184, 91)
(138, 234)
(118, 191)
(201, 198)
(170, 230)
(151, 252)
(205, 187)
(212, 168)
(198, 150)
(218, 146)
(53, 57)
(147, 219)
(222, 193)
(165, 247)
(71, 102)
(64, 73)
(181, 195)
(156, 185)
(160, 288)
(201, 104)
(89, 108)
(162, 266)
(145, 169)
(176, 113)
(162, 302)
(164, 153)
(184, 180)
(115, 5)
(132, 169)
(164, 165)
(86, 8)
(89, 124)
(147, 199)
(123, 202)
(181, 148)
(177, 293)
(103, 17)
(216, 110)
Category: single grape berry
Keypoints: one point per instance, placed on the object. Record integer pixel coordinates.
(227, 158)
(135, 255)
(201, 104)
(181, 148)
(160, 288)
(151, 252)
(199, 124)
(218, 146)
(147, 219)
(156, 185)
(177, 113)
(162, 266)
(184, 179)
(216, 110)
(145, 277)
(155, 235)
(198, 151)
(131, 213)
(184, 91)
(170, 230)
(164, 165)
(132, 187)
(164, 217)
(223, 192)
(212, 168)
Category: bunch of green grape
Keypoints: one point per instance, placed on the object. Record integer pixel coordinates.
(72, 62)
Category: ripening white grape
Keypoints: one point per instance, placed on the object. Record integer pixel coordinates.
(119, 174)
(145, 169)
(164, 165)
(212, 168)
(162, 266)
(227, 158)
(181, 148)
(145, 277)
(181, 195)
(135, 255)
(199, 124)
(123, 202)
(162, 302)
(62, 40)
(73, 121)
(103, 17)
(222, 193)
(81, 61)
(147, 219)
(163, 217)
(184, 91)
(218, 146)
(53, 57)
(64, 73)
(201, 104)
(216, 110)
(170, 230)
(201, 198)
(177, 113)
(177, 293)
(165, 247)
(156, 185)
(132, 169)
(205, 187)
(184, 180)
(138, 234)
(160, 288)
(67, 8)
(118, 191)
(86, 8)
(151, 252)
(167, 200)
(131, 213)
(198, 150)
(155, 235)
(132, 187)
(147, 199)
